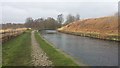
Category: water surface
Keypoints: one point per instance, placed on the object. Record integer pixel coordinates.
(87, 50)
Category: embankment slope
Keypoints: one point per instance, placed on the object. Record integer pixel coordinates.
(103, 28)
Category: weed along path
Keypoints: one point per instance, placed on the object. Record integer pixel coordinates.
(39, 57)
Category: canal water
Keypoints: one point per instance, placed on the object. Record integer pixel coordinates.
(93, 52)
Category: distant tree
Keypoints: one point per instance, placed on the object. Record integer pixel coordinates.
(117, 14)
(70, 19)
(12, 25)
(29, 21)
(60, 18)
(77, 17)
(51, 23)
(40, 23)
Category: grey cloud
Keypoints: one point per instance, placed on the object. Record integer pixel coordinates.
(17, 12)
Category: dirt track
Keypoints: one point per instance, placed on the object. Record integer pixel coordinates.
(39, 57)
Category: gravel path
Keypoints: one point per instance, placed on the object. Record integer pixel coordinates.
(39, 57)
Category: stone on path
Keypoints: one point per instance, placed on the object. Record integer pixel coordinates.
(39, 57)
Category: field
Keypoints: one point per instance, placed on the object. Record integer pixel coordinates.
(17, 51)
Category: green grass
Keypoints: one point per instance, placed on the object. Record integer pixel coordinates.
(55, 56)
(0, 55)
(17, 51)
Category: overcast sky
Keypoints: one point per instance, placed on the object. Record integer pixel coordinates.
(16, 11)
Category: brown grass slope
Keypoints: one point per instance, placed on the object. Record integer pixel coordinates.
(104, 27)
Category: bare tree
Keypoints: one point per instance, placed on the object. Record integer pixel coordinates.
(29, 21)
(60, 18)
(77, 17)
(70, 19)
(40, 23)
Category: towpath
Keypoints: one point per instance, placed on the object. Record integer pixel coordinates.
(39, 57)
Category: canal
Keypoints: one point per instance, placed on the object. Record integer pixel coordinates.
(90, 51)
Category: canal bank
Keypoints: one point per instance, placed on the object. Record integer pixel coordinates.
(112, 37)
(56, 56)
(102, 28)
(62, 52)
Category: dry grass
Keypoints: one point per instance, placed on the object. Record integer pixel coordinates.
(104, 26)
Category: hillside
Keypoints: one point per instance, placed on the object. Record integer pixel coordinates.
(103, 28)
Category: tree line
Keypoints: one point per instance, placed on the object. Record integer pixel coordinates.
(50, 23)
(41, 23)
(11, 25)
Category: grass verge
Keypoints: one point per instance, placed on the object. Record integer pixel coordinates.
(94, 35)
(56, 57)
(17, 51)
(0, 54)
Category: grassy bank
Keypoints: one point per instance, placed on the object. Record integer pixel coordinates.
(93, 35)
(0, 55)
(55, 56)
(101, 28)
(17, 51)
